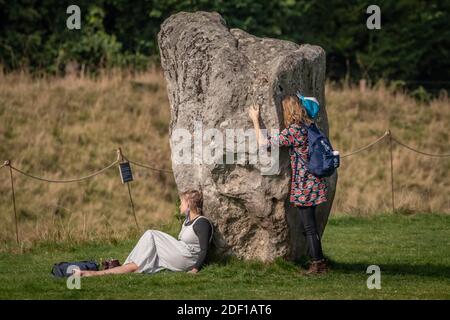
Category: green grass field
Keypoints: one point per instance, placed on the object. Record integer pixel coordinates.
(413, 253)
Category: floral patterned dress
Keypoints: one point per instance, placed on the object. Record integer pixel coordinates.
(306, 189)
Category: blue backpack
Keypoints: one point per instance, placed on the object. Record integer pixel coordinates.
(61, 269)
(322, 161)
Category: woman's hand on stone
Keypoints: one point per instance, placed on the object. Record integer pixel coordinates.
(253, 112)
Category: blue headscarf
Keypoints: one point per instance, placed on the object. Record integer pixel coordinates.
(311, 105)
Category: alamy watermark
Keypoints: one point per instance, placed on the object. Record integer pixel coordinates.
(74, 280)
(374, 20)
(374, 280)
(212, 146)
(73, 22)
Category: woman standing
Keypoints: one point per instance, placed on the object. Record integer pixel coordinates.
(307, 190)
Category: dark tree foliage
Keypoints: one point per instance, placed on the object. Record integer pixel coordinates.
(412, 45)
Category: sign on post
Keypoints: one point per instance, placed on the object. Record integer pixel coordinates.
(125, 172)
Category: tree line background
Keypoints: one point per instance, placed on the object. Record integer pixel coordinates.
(412, 48)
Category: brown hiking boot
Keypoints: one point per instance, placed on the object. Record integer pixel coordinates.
(317, 267)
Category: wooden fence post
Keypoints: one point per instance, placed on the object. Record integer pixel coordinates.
(8, 163)
(121, 159)
(392, 172)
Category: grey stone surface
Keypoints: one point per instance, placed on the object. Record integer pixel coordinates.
(213, 75)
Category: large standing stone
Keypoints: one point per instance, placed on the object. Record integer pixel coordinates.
(213, 75)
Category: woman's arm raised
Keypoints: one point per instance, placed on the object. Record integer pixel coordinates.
(253, 112)
(284, 138)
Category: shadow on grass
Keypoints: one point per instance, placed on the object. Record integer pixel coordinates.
(426, 270)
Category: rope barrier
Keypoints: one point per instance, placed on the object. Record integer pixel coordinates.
(65, 181)
(148, 167)
(387, 133)
(121, 158)
(418, 151)
(6, 163)
(368, 146)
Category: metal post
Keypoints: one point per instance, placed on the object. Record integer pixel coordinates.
(8, 163)
(121, 159)
(132, 205)
(392, 171)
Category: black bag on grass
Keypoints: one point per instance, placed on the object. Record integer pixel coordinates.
(60, 270)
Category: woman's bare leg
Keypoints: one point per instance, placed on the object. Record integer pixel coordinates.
(126, 268)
